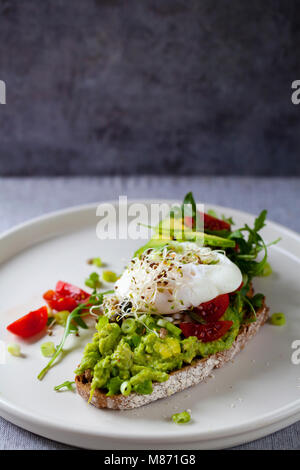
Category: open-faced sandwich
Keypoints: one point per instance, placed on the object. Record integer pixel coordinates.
(184, 305)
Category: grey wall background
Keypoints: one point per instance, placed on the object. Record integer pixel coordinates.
(144, 86)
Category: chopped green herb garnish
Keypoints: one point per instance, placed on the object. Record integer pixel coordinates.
(14, 349)
(48, 349)
(61, 317)
(67, 384)
(93, 281)
(97, 262)
(129, 326)
(278, 319)
(267, 271)
(181, 418)
(109, 276)
(125, 388)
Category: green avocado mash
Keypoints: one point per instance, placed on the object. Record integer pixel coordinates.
(141, 356)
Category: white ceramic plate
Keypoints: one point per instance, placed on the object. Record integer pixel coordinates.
(255, 395)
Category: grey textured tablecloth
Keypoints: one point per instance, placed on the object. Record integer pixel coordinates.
(21, 199)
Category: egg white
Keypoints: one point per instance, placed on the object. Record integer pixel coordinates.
(197, 283)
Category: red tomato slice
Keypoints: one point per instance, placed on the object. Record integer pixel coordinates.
(58, 302)
(65, 297)
(66, 289)
(30, 324)
(208, 332)
(214, 309)
(210, 223)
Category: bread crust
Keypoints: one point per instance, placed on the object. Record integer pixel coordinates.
(179, 380)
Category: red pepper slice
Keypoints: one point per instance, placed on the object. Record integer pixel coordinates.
(208, 332)
(65, 297)
(30, 324)
(210, 223)
(214, 309)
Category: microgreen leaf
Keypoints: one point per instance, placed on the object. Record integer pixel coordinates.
(80, 322)
(93, 281)
(259, 222)
(189, 208)
(250, 244)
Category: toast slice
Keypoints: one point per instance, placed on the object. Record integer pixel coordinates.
(178, 380)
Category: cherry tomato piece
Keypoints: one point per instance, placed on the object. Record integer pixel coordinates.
(65, 289)
(237, 247)
(31, 324)
(65, 297)
(210, 223)
(207, 332)
(214, 309)
(58, 302)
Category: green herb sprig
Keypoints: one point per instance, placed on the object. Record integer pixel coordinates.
(250, 244)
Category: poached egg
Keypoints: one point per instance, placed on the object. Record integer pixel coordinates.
(168, 282)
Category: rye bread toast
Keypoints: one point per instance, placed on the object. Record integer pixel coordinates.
(179, 380)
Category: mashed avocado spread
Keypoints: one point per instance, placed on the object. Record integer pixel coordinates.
(129, 356)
